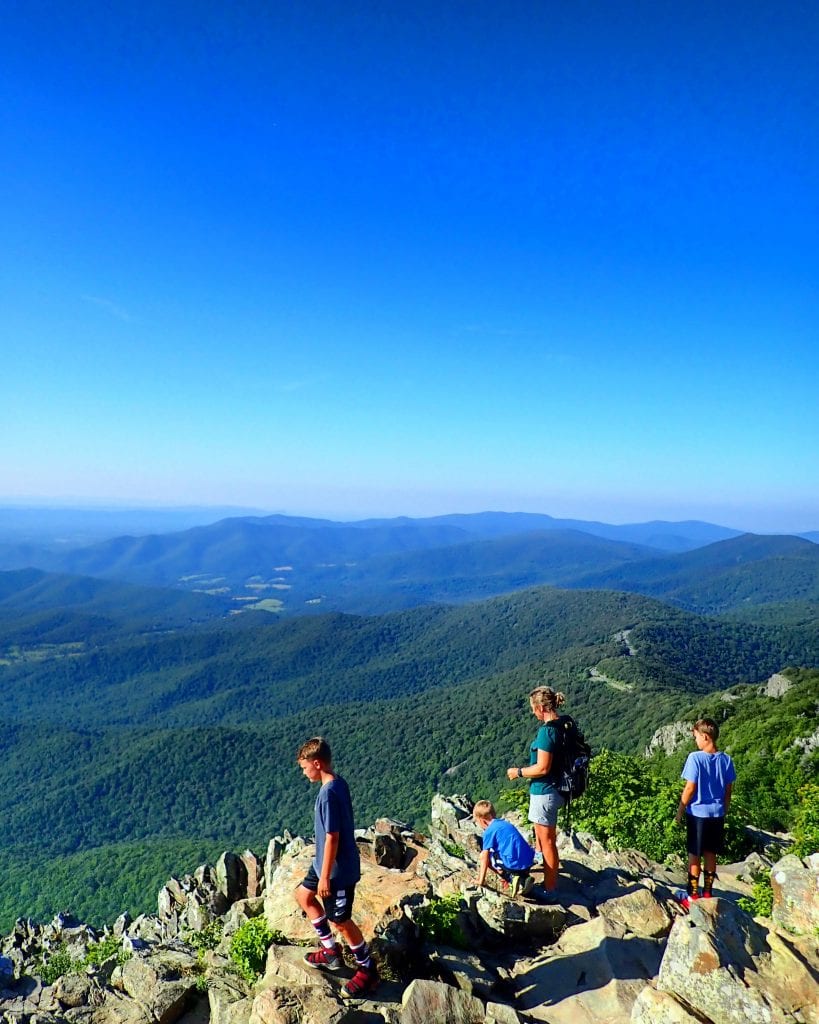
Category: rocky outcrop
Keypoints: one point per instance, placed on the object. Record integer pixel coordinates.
(669, 738)
(777, 685)
(616, 947)
(795, 885)
(724, 967)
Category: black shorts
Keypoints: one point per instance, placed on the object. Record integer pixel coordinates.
(704, 835)
(339, 904)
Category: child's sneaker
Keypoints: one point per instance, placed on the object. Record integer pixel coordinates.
(363, 981)
(684, 898)
(528, 885)
(515, 886)
(325, 959)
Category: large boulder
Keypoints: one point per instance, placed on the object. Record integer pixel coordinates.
(229, 1000)
(499, 919)
(594, 972)
(162, 984)
(231, 877)
(640, 912)
(378, 895)
(795, 886)
(290, 992)
(433, 1002)
(653, 1007)
(728, 968)
(466, 970)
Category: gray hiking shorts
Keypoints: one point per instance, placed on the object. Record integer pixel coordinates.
(543, 808)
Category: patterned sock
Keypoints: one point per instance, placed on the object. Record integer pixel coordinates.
(693, 882)
(362, 955)
(322, 926)
(708, 885)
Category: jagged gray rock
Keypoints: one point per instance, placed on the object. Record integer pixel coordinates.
(653, 1007)
(669, 737)
(729, 969)
(162, 984)
(425, 1002)
(795, 885)
(777, 685)
(465, 970)
(451, 823)
(594, 972)
(501, 919)
(230, 1000)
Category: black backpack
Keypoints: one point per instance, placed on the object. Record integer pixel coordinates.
(573, 758)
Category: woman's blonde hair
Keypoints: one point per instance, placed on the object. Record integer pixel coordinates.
(544, 698)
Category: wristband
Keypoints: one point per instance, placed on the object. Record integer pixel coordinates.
(520, 773)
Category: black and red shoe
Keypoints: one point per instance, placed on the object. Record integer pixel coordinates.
(364, 981)
(325, 959)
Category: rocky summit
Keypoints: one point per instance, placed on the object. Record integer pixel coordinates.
(616, 947)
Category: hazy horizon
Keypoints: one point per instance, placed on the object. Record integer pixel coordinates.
(101, 505)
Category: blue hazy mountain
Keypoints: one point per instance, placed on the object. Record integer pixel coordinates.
(299, 563)
(746, 570)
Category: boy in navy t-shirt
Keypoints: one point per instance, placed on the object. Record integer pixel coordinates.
(333, 873)
(709, 777)
(505, 851)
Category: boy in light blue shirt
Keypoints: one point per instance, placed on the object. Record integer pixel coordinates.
(505, 851)
(709, 776)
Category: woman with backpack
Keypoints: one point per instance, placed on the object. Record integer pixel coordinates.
(542, 771)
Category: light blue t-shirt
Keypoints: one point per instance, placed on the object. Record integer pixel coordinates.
(514, 852)
(711, 773)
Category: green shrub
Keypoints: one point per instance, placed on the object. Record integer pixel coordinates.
(249, 945)
(438, 921)
(453, 849)
(208, 937)
(58, 964)
(103, 950)
(760, 902)
(806, 821)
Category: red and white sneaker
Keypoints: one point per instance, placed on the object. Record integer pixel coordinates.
(325, 959)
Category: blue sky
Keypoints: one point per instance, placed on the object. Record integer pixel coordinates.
(383, 258)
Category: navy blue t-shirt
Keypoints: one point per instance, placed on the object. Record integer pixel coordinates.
(334, 813)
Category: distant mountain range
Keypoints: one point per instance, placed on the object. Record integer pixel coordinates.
(293, 565)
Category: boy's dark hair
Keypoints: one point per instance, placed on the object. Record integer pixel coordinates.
(315, 749)
(708, 727)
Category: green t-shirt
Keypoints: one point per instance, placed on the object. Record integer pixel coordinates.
(545, 740)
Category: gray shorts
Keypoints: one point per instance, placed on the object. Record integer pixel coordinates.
(543, 809)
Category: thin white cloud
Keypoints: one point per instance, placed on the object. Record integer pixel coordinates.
(109, 307)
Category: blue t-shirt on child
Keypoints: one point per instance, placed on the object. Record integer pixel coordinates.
(505, 840)
(334, 813)
(712, 773)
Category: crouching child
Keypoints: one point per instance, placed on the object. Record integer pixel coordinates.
(505, 851)
(326, 893)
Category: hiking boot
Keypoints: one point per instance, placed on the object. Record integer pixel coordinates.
(362, 982)
(325, 959)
